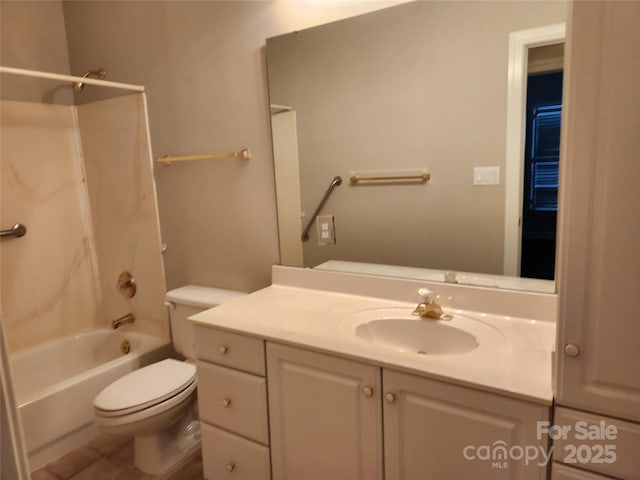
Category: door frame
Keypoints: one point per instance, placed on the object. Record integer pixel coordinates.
(519, 44)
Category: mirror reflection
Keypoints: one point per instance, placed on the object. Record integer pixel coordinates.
(393, 97)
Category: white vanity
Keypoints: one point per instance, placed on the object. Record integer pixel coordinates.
(310, 379)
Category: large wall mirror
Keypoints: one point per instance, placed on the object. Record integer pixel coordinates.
(416, 97)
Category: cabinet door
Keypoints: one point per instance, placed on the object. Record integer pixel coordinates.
(599, 256)
(562, 472)
(437, 431)
(325, 416)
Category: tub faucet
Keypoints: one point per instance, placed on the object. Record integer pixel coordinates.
(123, 320)
(428, 308)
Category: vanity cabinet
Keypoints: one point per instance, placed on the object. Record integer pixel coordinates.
(599, 258)
(285, 412)
(326, 422)
(232, 401)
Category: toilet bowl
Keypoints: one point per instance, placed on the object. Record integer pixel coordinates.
(157, 403)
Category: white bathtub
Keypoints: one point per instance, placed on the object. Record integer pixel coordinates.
(56, 382)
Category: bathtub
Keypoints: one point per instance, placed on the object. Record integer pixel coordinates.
(55, 384)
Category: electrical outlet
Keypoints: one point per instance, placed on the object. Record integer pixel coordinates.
(486, 176)
(326, 230)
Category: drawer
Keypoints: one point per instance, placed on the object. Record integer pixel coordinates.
(230, 349)
(562, 472)
(595, 454)
(233, 400)
(225, 455)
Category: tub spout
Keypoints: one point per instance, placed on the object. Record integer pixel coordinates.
(124, 320)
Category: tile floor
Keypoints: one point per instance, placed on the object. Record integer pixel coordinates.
(108, 458)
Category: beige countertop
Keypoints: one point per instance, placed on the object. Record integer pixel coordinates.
(513, 357)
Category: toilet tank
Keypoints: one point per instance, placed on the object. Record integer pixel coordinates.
(187, 301)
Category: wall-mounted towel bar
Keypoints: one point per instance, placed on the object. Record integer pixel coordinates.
(243, 154)
(18, 230)
(359, 179)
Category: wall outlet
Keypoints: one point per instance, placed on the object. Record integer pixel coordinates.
(486, 176)
(326, 230)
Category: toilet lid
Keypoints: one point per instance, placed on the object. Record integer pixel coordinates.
(146, 387)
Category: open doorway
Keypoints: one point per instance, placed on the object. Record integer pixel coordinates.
(541, 162)
(536, 58)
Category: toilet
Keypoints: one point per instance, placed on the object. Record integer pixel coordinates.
(157, 403)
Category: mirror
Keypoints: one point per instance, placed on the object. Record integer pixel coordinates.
(419, 88)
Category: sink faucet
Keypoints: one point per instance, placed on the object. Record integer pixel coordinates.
(123, 320)
(428, 308)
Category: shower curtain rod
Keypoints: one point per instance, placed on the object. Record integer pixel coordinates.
(70, 78)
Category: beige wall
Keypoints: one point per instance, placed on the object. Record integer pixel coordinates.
(32, 36)
(48, 276)
(204, 69)
(422, 85)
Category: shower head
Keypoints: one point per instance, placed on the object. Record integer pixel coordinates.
(100, 73)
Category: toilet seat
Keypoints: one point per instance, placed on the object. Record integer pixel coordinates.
(166, 382)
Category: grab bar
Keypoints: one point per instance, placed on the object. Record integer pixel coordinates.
(334, 183)
(17, 231)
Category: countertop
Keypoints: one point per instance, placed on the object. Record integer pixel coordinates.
(514, 356)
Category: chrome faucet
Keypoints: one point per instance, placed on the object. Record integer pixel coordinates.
(123, 320)
(428, 308)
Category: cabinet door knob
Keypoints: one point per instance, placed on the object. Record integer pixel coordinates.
(223, 349)
(230, 466)
(390, 397)
(571, 350)
(226, 402)
(368, 391)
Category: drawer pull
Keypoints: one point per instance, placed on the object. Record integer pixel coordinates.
(226, 402)
(390, 397)
(368, 391)
(230, 466)
(224, 349)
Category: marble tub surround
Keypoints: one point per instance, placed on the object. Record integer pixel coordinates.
(514, 361)
(48, 286)
(81, 180)
(122, 197)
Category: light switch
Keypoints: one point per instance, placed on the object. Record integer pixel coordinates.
(326, 230)
(486, 176)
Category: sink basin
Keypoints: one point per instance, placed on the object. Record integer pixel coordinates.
(396, 329)
(424, 337)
